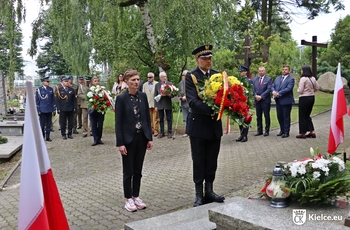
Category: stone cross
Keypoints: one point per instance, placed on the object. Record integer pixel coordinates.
(3, 108)
(247, 56)
(314, 45)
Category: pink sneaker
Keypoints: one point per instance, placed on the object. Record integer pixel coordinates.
(139, 203)
(130, 205)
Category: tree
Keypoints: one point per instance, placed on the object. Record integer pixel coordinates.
(267, 9)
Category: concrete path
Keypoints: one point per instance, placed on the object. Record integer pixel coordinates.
(90, 178)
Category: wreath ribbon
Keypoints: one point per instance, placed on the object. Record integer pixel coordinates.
(225, 81)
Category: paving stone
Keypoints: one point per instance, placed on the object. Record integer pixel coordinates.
(90, 178)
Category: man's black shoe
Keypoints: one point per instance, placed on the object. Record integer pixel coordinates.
(52, 130)
(64, 137)
(48, 139)
(258, 134)
(266, 134)
(280, 134)
(70, 137)
(95, 143)
(100, 142)
(285, 135)
(75, 132)
(79, 127)
(84, 135)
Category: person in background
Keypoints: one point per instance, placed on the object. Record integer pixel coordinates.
(82, 90)
(262, 90)
(204, 130)
(243, 70)
(96, 120)
(45, 105)
(75, 87)
(164, 105)
(148, 88)
(183, 102)
(282, 92)
(134, 137)
(66, 102)
(79, 101)
(307, 87)
(119, 86)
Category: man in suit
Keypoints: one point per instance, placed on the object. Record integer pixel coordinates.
(45, 105)
(262, 89)
(203, 128)
(66, 106)
(75, 87)
(148, 88)
(282, 91)
(82, 90)
(243, 70)
(163, 105)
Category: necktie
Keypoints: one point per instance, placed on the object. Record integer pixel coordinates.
(260, 81)
(207, 75)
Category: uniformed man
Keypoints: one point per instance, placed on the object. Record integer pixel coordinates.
(75, 87)
(203, 128)
(45, 105)
(66, 106)
(79, 111)
(82, 90)
(243, 70)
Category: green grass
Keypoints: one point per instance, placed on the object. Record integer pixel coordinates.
(323, 102)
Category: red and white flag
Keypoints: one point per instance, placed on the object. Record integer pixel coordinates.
(339, 109)
(40, 205)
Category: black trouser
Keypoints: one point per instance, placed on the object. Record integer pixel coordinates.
(96, 122)
(260, 109)
(204, 156)
(169, 118)
(45, 119)
(64, 116)
(305, 108)
(132, 165)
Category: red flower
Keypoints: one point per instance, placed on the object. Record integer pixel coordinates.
(248, 119)
(95, 106)
(96, 97)
(108, 103)
(102, 108)
(267, 184)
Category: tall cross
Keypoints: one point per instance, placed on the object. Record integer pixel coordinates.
(247, 56)
(314, 45)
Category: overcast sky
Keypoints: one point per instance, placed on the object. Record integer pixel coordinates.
(301, 28)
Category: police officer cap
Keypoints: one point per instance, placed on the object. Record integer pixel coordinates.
(45, 78)
(64, 78)
(243, 68)
(69, 77)
(203, 51)
(87, 78)
(80, 77)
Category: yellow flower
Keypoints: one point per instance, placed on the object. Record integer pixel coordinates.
(233, 80)
(216, 77)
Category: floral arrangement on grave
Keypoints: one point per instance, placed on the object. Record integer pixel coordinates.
(98, 99)
(3, 140)
(12, 110)
(167, 90)
(317, 180)
(229, 95)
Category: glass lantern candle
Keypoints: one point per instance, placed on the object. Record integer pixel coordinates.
(277, 190)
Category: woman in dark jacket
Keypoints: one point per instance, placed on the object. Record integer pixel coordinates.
(134, 137)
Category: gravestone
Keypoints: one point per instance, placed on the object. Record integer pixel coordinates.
(3, 108)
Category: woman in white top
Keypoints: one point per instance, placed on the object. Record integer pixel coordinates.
(119, 86)
(307, 88)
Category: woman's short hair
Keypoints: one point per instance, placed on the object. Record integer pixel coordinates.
(129, 73)
(306, 71)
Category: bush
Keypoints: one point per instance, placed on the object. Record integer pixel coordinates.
(3, 140)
